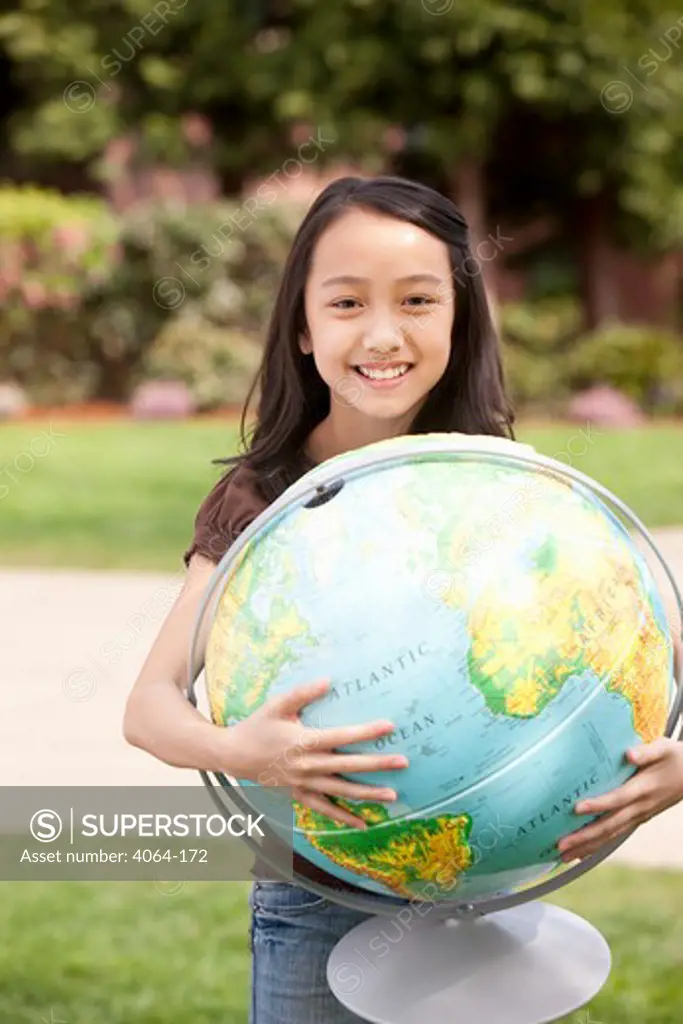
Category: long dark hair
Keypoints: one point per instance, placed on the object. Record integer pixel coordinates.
(470, 396)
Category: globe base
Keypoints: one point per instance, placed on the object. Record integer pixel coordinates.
(526, 965)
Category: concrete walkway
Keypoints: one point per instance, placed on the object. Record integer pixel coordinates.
(74, 642)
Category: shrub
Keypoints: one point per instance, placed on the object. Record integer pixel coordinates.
(547, 326)
(535, 336)
(53, 248)
(55, 251)
(643, 361)
(85, 295)
(175, 254)
(216, 363)
(534, 381)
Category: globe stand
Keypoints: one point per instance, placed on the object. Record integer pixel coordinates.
(508, 959)
(530, 964)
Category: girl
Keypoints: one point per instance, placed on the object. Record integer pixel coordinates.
(378, 330)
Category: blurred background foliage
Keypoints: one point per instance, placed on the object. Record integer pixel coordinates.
(157, 158)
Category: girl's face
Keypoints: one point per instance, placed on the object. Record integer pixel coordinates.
(379, 295)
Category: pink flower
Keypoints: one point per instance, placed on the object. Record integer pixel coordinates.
(121, 150)
(301, 132)
(72, 238)
(394, 139)
(197, 129)
(12, 256)
(34, 294)
(9, 279)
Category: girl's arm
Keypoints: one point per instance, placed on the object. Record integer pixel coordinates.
(158, 717)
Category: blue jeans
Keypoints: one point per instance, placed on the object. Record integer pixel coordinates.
(292, 934)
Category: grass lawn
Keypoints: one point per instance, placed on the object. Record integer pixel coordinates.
(123, 953)
(124, 495)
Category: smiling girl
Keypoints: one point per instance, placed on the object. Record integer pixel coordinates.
(377, 331)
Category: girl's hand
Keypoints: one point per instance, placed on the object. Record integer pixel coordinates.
(657, 784)
(274, 748)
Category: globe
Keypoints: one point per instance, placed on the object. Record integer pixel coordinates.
(490, 605)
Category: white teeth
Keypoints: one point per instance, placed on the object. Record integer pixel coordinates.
(384, 374)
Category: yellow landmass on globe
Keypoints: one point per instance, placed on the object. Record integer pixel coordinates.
(404, 856)
(582, 609)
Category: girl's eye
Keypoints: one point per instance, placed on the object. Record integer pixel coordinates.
(421, 300)
(339, 303)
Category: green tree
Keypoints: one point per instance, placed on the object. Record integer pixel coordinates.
(556, 117)
(522, 110)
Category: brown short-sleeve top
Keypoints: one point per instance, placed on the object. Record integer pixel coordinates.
(232, 504)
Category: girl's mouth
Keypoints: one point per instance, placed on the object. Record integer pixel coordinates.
(383, 379)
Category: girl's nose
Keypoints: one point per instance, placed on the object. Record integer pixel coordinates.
(383, 336)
